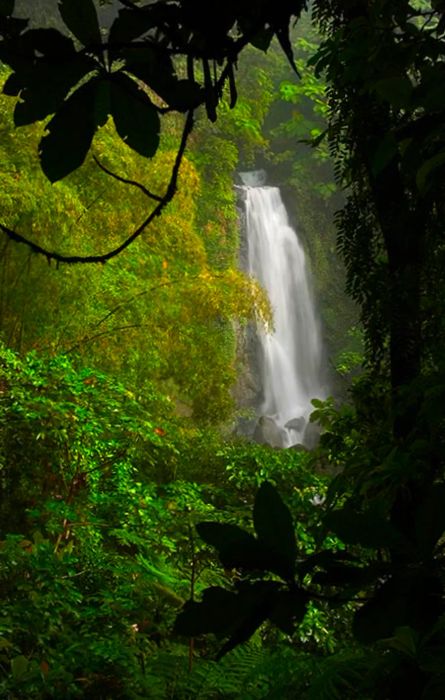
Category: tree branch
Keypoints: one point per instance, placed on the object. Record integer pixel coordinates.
(126, 181)
(102, 258)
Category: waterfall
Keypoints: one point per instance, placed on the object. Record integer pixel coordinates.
(290, 356)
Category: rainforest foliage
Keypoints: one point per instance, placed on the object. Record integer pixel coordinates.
(145, 551)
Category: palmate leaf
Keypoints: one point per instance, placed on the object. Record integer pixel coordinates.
(81, 18)
(274, 527)
(135, 117)
(49, 43)
(236, 547)
(369, 528)
(287, 609)
(42, 87)
(236, 615)
(128, 25)
(71, 130)
(413, 599)
(154, 66)
(430, 519)
(7, 7)
(239, 549)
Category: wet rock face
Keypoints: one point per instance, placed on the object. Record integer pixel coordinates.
(267, 432)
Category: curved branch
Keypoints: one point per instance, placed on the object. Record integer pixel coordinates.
(126, 181)
(102, 258)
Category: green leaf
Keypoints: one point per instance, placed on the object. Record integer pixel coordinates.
(19, 666)
(81, 18)
(135, 117)
(71, 131)
(274, 526)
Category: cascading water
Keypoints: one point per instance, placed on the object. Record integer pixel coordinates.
(291, 356)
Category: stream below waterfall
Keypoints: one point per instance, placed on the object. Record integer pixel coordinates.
(291, 357)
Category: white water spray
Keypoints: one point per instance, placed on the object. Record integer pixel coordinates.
(291, 356)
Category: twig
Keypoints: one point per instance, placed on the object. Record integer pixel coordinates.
(141, 187)
(102, 258)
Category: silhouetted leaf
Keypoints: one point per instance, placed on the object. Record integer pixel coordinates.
(42, 87)
(396, 90)
(368, 528)
(288, 608)
(341, 575)
(11, 28)
(232, 86)
(211, 97)
(152, 65)
(6, 7)
(232, 614)
(71, 131)
(135, 117)
(427, 169)
(155, 68)
(430, 519)
(324, 560)
(384, 153)
(262, 39)
(435, 690)
(219, 612)
(274, 526)
(259, 600)
(412, 599)
(81, 18)
(285, 43)
(49, 43)
(181, 95)
(128, 25)
(236, 547)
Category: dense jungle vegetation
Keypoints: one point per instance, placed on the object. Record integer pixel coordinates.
(146, 550)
